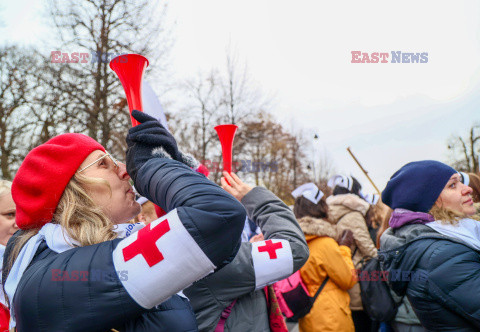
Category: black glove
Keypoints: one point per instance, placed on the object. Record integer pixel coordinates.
(146, 137)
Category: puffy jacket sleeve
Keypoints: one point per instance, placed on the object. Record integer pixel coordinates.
(337, 262)
(200, 232)
(356, 223)
(258, 264)
(453, 282)
(212, 217)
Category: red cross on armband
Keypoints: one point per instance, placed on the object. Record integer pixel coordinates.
(145, 244)
(271, 248)
(272, 261)
(161, 259)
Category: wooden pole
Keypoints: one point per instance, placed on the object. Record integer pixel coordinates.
(363, 170)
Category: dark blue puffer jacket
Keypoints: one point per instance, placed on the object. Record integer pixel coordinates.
(440, 276)
(98, 287)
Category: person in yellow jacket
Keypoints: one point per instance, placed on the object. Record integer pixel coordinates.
(331, 310)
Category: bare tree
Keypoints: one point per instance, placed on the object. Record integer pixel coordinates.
(200, 113)
(264, 151)
(16, 92)
(324, 166)
(270, 156)
(54, 102)
(227, 96)
(241, 98)
(465, 150)
(103, 29)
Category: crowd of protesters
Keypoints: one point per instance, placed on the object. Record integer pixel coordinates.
(82, 252)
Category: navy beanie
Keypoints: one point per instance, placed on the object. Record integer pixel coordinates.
(417, 185)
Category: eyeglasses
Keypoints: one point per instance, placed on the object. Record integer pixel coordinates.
(115, 161)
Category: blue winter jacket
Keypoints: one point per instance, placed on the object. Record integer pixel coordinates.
(96, 288)
(439, 275)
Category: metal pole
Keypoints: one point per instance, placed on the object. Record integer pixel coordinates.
(363, 170)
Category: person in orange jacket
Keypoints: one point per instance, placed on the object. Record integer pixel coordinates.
(331, 311)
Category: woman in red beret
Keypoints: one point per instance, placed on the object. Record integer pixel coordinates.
(68, 269)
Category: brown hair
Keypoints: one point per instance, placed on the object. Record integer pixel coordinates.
(385, 218)
(304, 208)
(373, 217)
(475, 185)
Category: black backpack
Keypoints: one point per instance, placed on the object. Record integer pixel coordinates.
(377, 300)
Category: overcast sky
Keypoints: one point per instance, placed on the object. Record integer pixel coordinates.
(300, 51)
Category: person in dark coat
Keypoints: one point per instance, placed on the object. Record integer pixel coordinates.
(433, 245)
(240, 287)
(67, 270)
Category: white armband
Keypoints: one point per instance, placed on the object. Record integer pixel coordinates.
(160, 260)
(272, 261)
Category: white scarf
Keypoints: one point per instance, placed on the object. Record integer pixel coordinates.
(58, 241)
(467, 230)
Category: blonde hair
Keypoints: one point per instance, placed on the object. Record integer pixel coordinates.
(82, 219)
(449, 216)
(5, 187)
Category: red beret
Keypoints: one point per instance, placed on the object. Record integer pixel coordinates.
(44, 175)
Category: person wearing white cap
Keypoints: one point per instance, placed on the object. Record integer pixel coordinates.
(348, 209)
(371, 199)
(330, 263)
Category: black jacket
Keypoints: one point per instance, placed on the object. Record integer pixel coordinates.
(440, 276)
(81, 289)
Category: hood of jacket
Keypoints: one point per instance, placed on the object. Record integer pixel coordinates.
(313, 228)
(340, 205)
(401, 217)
